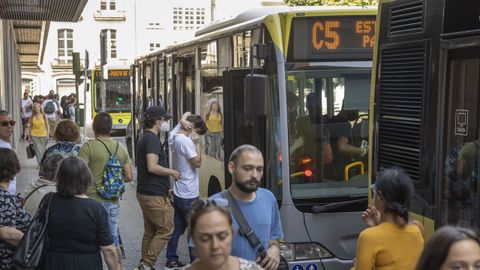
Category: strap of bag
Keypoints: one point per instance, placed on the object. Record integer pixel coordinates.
(110, 153)
(245, 228)
(33, 191)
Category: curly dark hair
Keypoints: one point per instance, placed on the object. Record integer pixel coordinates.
(67, 131)
(9, 165)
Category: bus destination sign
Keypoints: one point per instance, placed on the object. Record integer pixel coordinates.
(333, 37)
(114, 74)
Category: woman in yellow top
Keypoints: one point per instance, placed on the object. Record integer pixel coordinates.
(214, 137)
(391, 242)
(38, 131)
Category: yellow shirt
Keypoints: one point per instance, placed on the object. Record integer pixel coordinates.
(389, 247)
(214, 123)
(37, 126)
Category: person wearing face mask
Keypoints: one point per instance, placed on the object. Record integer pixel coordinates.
(153, 183)
(186, 158)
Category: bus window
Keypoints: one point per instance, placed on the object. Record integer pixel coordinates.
(460, 173)
(328, 132)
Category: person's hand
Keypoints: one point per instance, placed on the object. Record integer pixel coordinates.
(186, 124)
(371, 216)
(195, 137)
(175, 174)
(364, 148)
(271, 261)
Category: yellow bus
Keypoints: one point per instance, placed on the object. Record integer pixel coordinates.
(117, 99)
(308, 64)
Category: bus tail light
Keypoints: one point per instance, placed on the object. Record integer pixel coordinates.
(304, 251)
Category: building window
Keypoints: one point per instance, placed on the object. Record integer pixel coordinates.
(108, 4)
(154, 46)
(194, 22)
(111, 35)
(65, 45)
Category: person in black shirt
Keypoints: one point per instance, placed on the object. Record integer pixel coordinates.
(77, 226)
(340, 139)
(153, 184)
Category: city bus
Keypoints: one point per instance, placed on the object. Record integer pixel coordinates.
(280, 75)
(117, 100)
(426, 95)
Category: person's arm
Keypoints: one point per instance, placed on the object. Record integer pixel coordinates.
(111, 257)
(271, 261)
(344, 147)
(85, 153)
(153, 167)
(365, 259)
(196, 161)
(47, 126)
(128, 172)
(11, 235)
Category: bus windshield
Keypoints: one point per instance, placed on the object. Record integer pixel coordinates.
(117, 96)
(328, 110)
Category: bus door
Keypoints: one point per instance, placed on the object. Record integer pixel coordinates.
(239, 128)
(185, 67)
(459, 192)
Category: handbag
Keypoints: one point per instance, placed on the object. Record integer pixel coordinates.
(30, 151)
(247, 231)
(34, 243)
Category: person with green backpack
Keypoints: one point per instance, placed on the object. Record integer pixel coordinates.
(111, 168)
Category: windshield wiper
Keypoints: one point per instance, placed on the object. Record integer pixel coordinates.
(331, 206)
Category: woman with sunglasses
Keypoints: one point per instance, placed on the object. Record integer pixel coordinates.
(38, 131)
(451, 248)
(391, 242)
(211, 231)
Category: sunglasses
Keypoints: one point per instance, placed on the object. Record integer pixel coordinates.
(5, 123)
(200, 204)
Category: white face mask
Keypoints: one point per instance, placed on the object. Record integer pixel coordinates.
(165, 126)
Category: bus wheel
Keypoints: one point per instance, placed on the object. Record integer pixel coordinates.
(213, 185)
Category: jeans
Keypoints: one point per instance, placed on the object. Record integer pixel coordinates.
(40, 145)
(180, 219)
(113, 214)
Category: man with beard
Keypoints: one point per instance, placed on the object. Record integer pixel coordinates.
(258, 205)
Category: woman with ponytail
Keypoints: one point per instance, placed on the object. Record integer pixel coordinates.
(391, 241)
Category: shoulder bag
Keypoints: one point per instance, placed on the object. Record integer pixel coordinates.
(247, 231)
(33, 245)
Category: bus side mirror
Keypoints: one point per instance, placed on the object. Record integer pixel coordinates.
(256, 89)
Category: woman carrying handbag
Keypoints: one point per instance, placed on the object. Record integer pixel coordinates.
(38, 131)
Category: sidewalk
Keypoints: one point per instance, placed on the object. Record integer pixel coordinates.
(131, 221)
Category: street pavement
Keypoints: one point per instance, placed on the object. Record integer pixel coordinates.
(131, 221)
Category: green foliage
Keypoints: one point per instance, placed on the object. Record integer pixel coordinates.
(331, 2)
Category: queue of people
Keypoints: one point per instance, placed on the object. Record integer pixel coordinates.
(84, 222)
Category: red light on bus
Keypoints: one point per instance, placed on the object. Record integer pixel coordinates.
(308, 173)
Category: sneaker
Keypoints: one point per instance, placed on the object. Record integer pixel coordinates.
(173, 264)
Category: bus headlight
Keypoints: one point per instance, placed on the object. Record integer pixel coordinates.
(304, 251)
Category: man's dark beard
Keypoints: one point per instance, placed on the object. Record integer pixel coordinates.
(247, 189)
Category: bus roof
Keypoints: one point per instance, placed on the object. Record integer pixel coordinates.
(247, 19)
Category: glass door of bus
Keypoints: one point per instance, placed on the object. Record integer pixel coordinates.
(239, 128)
(460, 189)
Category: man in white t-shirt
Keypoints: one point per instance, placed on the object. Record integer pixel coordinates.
(6, 131)
(186, 159)
(26, 111)
(51, 110)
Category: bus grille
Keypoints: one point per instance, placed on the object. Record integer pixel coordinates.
(400, 107)
(406, 18)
